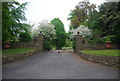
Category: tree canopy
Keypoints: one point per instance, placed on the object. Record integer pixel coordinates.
(60, 33)
(106, 21)
(48, 30)
(103, 23)
(80, 14)
(83, 31)
(12, 15)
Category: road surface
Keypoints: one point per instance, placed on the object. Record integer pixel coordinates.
(54, 65)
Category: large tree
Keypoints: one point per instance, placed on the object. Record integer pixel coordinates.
(12, 15)
(110, 18)
(60, 33)
(48, 30)
(80, 14)
(105, 22)
(25, 35)
(83, 31)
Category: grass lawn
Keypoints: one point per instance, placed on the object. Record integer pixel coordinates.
(102, 52)
(66, 48)
(15, 51)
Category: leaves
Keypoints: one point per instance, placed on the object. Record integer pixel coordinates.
(12, 15)
(80, 14)
(25, 37)
(83, 30)
(60, 33)
(106, 21)
(47, 29)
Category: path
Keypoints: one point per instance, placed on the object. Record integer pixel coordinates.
(54, 65)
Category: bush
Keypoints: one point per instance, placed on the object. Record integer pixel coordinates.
(47, 45)
(96, 41)
(25, 37)
(74, 45)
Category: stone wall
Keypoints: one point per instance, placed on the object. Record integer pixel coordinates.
(82, 44)
(12, 58)
(21, 45)
(103, 46)
(106, 60)
(35, 43)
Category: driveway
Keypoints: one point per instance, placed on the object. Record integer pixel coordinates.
(54, 65)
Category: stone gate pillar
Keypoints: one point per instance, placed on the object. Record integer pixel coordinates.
(78, 43)
(81, 43)
(39, 42)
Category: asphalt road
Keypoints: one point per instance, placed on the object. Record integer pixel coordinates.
(53, 65)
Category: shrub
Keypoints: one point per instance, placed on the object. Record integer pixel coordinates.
(25, 37)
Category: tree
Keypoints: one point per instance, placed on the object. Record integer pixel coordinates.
(83, 31)
(48, 30)
(107, 11)
(80, 14)
(109, 20)
(25, 37)
(105, 22)
(60, 33)
(12, 15)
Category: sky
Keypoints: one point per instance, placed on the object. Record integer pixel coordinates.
(38, 10)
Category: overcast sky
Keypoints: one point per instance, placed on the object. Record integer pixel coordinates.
(38, 10)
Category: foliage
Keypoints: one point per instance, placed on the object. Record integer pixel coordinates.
(74, 45)
(25, 37)
(105, 23)
(83, 30)
(68, 43)
(12, 15)
(47, 44)
(110, 19)
(48, 30)
(60, 33)
(96, 41)
(93, 20)
(80, 14)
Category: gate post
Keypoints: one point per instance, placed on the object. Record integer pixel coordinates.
(39, 42)
(78, 43)
(77, 40)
